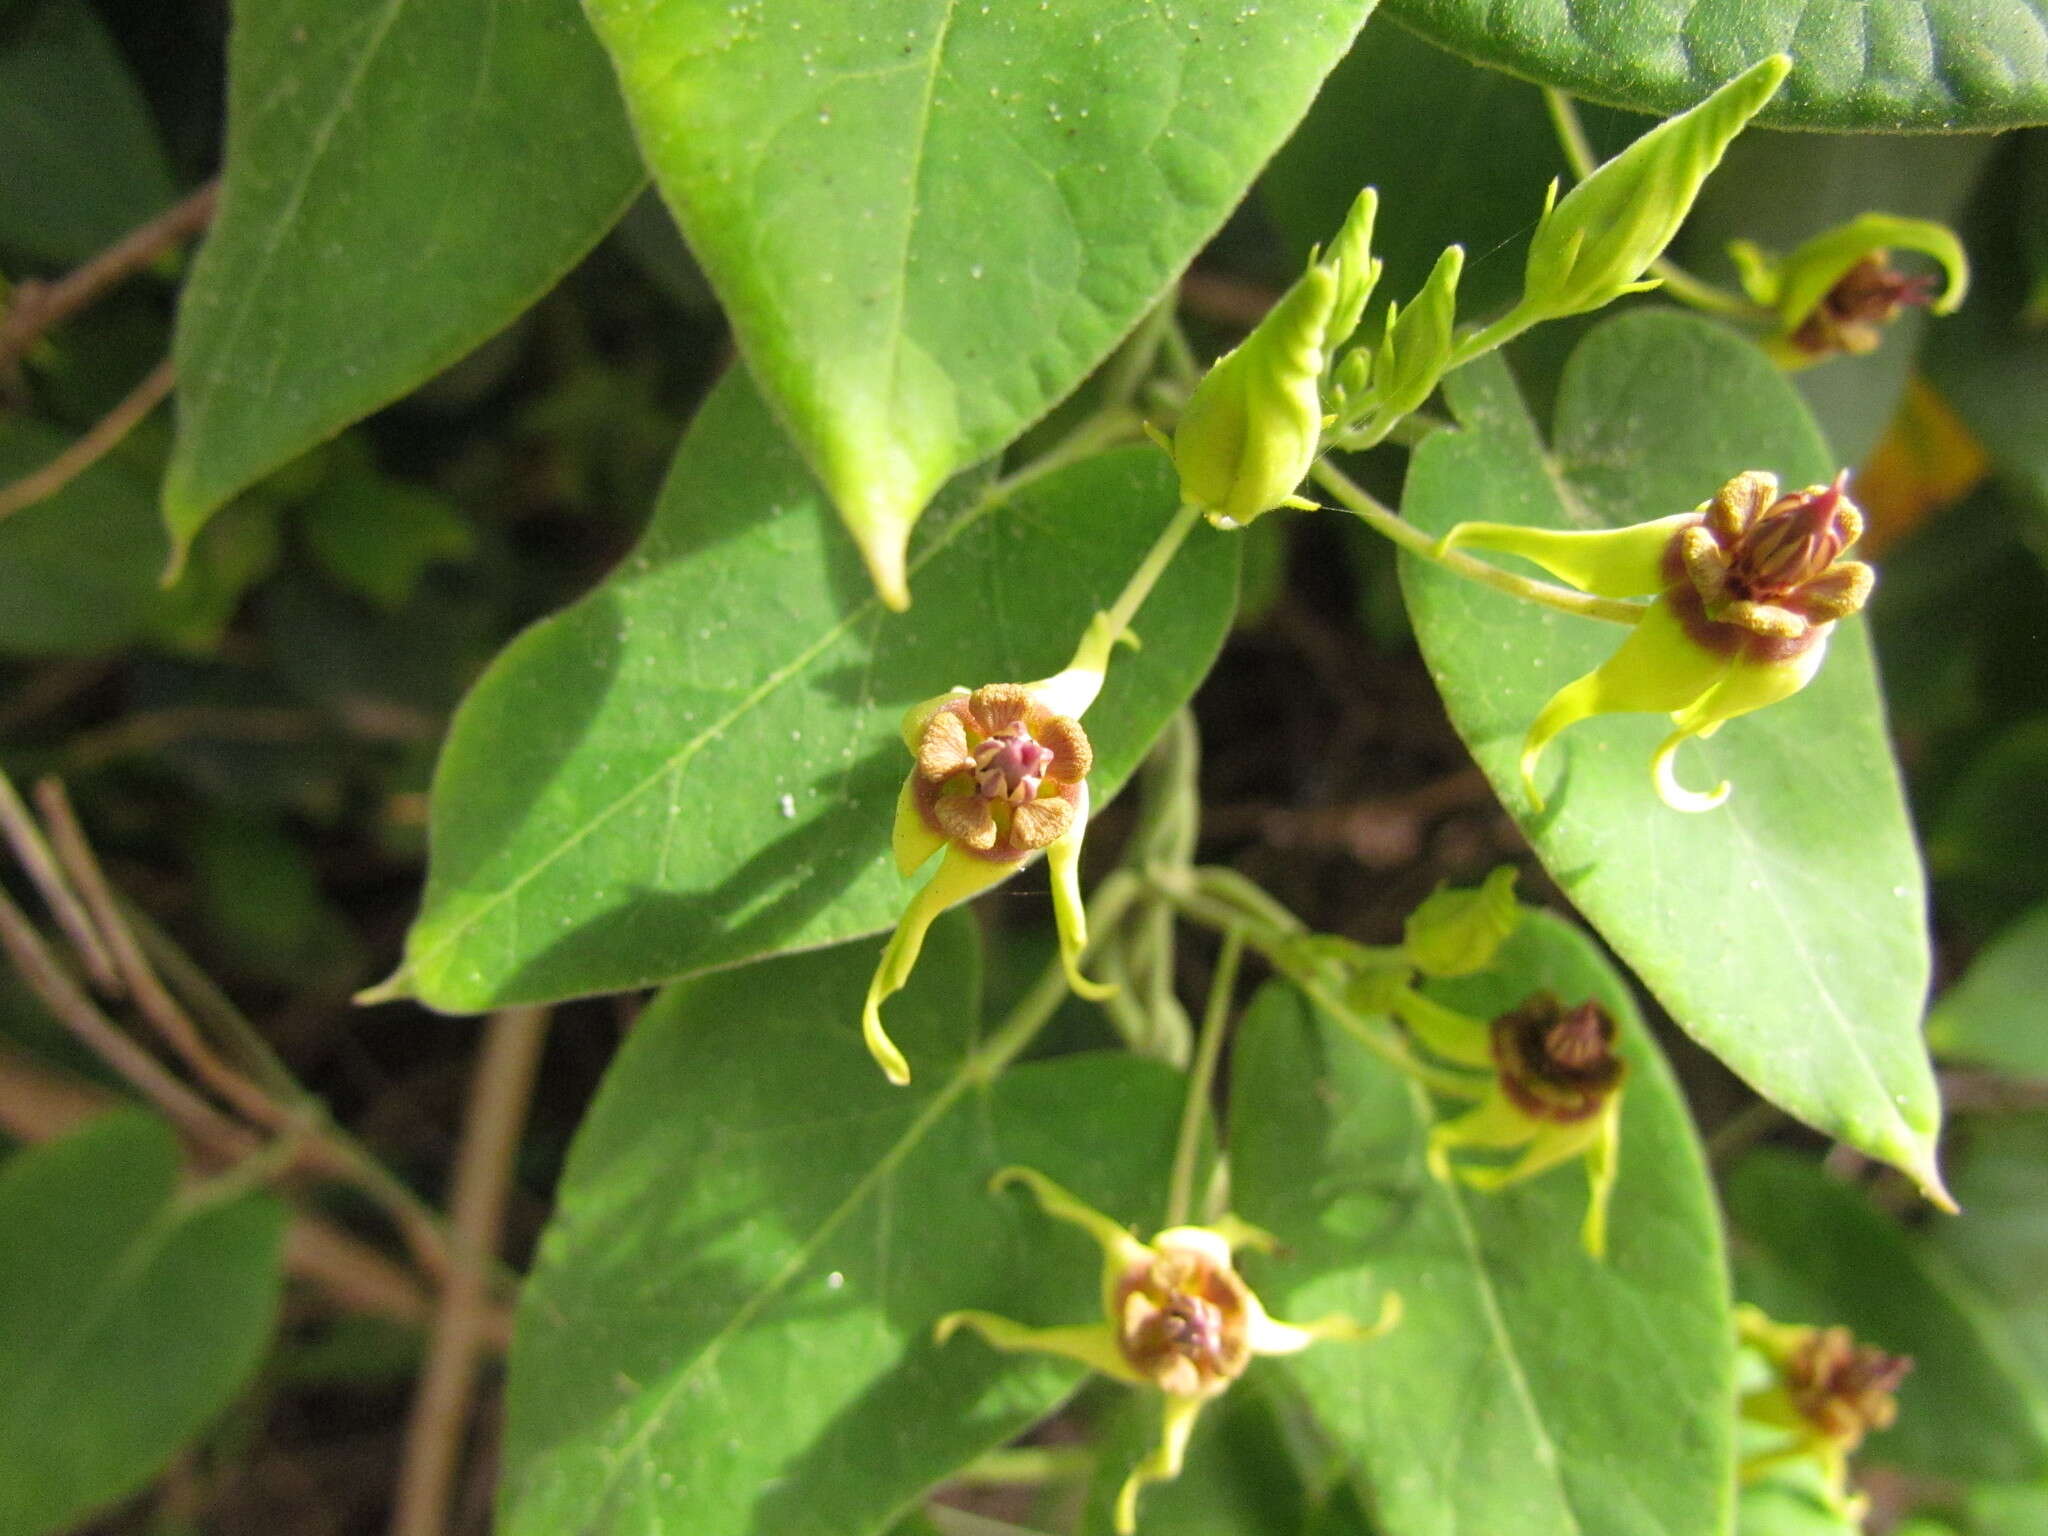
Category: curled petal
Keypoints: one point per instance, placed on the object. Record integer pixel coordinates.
(1164, 1464)
(1120, 1250)
(998, 706)
(1768, 619)
(1093, 1344)
(1743, 687)
(1843, 590)
(959, 876)
(1664, 774)
(1270, 1336)
(1658, 669)
(1454, 1036)
(1072, 754)
(1609, 562)
(1070, 913)
(1739, 503)
(967, 820)
(919, 715)
(942, 746)
(1038, 823)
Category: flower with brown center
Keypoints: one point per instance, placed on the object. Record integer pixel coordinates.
(998, 772)
(1816, 1393)
(1176, 1316)
(1553, 1093)
(1748, 587)
(1837, 292)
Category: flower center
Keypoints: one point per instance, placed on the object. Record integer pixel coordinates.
(1010, 765)
(1791, 544)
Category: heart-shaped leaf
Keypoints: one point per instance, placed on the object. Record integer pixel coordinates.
(749, 1348)
(929, 219)
(1858, 64)
(401, 181)
(1786, 931)
(129, 1315)
(1528, 1387)
(698, 764)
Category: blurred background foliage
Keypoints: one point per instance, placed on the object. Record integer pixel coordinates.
(249, 752)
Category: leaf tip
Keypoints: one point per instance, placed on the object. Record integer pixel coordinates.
(395, 988)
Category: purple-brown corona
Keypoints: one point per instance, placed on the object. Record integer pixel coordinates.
(998, 773)
(1820, 1393)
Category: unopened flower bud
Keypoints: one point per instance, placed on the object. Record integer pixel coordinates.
(1457, 932)
(1595, 244)
(1418, 347)
(1250, 431)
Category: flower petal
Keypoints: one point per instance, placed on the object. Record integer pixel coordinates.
(1093, 1344)
(1070, 912)
(1611, 562)
(1164, 1464)
(911, 838)
(959, 876)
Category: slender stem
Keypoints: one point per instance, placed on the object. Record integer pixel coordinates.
(1139, 355)
(1679, 283)
(33, 849)
(1180, 1187)
(1029, 1464)
(1119, 615)
(1384, 521)
(1571, 133)
(36, 307)
(99, 440)
(1106, 428)
(483, 1181)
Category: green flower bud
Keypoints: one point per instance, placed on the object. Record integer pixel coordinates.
(1838, 291)
(1457, 932)
(1418, 343)
(1349, 381)
(1595, 244)
(1252, 427)
(1350, 257)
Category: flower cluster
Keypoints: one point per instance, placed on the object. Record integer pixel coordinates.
(1747, 587)
(1176, 1317)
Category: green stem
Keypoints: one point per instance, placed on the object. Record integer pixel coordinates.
(1679, 283)
(1383, 520)
(1120, 613)
(1202, 1078)
(1107, 428)
(1113, 899)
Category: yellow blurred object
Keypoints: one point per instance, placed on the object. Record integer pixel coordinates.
(1926, 460)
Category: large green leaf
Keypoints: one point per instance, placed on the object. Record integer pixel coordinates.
(1785, 931)
(401, 181)
(729, 1330)
(930, 218)
(699, 763)
(129, 1316)
(79, 160)
(1528, 1388)
(1998, 1013)
(1969, 1408)
(1858, 64)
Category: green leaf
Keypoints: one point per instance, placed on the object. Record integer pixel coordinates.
(1785, 931)
(929, 219)
(78, 570)
(1889, 64)
(129, 1315)
(699, 763)
(1239, 1480)
(1830, 1257)
(1528, 1388)
(1784, 1506)
(2001, 1240)
(401, 182)
(729, 1330)
(80, 164)
(1998, 1013)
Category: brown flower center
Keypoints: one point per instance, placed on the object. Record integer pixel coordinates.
(1557, 1063)
(999, 774)
(1844, 1389)
(1792, 543)
(1010, 765)
(1852, 314)
(1181, 1322)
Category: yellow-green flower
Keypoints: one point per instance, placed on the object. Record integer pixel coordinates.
(1748, 587)
(1813, 1395)
(1554, 1094)
(1457, 931)
(1000, 774)
(1175, 1315)
(1838, 291)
